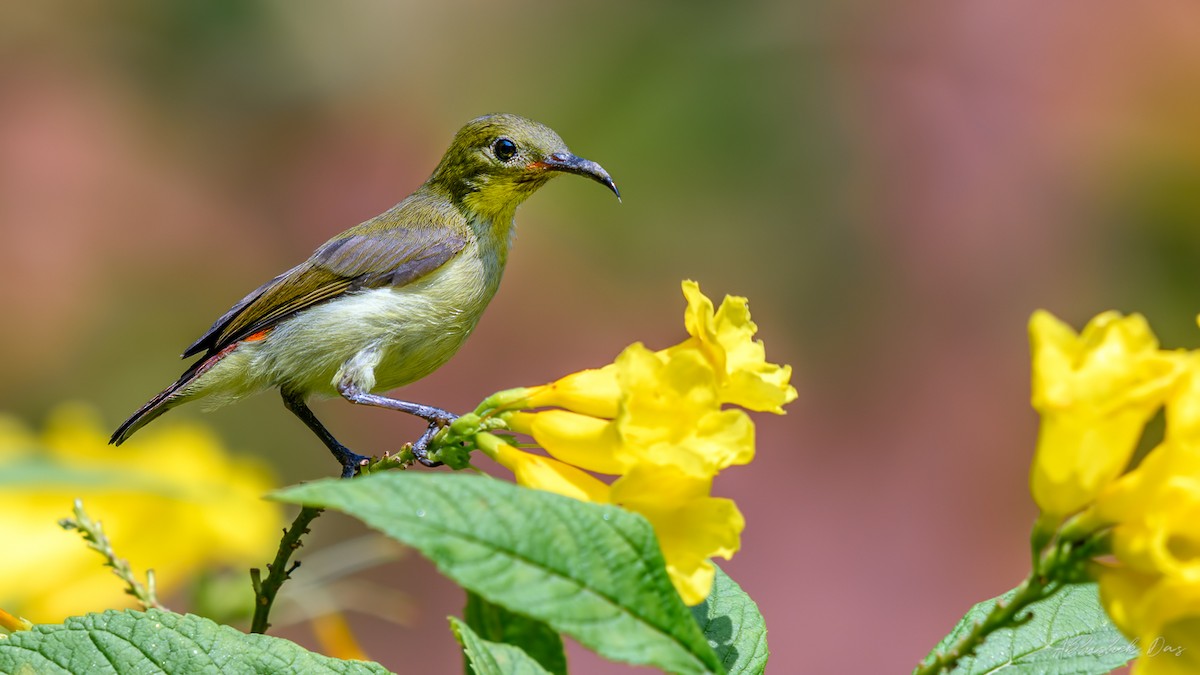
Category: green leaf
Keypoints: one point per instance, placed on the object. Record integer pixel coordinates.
(155, 641)
(734, 627)
(591, 571)
(496, 624)
(1068, 634)
(493, 658)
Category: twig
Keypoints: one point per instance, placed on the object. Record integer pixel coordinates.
(92, 532)
(1004, 614)
(402, 460)
(278, 571)
(1059, 559)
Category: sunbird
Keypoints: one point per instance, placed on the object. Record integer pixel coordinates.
(386, 302)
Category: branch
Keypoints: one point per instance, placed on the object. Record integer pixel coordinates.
(278, 571)
(93, 533)
(1004, 614)
(1059, 559)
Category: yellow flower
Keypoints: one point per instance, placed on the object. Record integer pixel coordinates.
(544, 473)
(726, 338)
(594, 392)
(590, 443)
(333, 633)
(1155, 510)
(1162, 614)
(657, 421)
(1152, 590)
(1183, 405)
(668, 412)
(671, 414)
(1095, 391)
(691, 526)
(667, 441)
(171, 499)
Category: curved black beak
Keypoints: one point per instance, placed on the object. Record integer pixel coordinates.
(568, 163)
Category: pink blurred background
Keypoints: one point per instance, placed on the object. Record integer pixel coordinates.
(895, 187)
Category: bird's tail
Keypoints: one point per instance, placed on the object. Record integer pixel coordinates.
(144, 415)
(165, 400)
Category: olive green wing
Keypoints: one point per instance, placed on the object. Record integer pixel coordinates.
(344, 264)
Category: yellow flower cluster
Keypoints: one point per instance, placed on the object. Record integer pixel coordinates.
(1095, 392)
(172, 500)
(658, 422)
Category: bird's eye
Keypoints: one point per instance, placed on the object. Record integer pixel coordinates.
(504, 149)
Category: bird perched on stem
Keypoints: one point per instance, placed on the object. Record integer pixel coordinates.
(386, 302)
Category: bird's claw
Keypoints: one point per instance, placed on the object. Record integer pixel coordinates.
(350, 461)
(421, 447)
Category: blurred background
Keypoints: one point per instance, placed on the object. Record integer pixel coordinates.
(896, 187)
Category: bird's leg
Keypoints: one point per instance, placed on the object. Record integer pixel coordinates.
(436, 417)
(348, 459)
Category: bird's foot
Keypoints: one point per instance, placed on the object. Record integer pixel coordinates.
(437, 420)
(350, 460)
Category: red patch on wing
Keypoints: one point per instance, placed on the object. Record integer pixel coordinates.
(212, 360)
(257, 336)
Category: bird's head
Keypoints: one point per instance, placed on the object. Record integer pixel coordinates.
(497, 161)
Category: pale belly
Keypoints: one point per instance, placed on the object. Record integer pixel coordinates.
(378, 339)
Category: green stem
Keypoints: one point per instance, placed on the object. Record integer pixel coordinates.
(1057, 561)
(278, 570)
(1004, 614)
(93, 533)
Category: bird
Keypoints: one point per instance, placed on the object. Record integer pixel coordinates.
(386, 302)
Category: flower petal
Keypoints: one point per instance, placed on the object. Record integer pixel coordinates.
(551, 475)
(589, 443)
(1095, 392)
(690, 525)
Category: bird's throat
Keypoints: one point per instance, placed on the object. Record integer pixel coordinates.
(495, 237)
